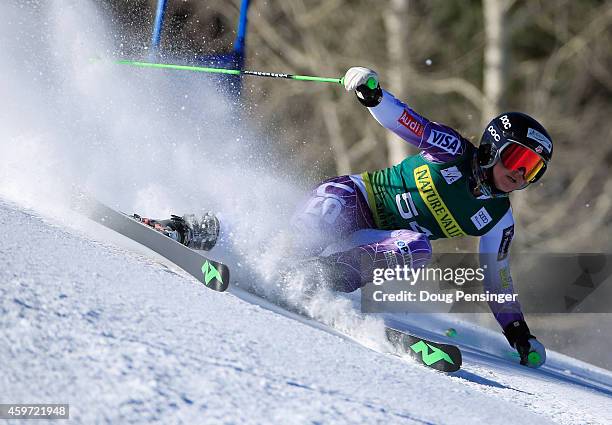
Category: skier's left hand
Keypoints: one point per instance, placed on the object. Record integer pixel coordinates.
(365, 83)
(532, 351)
(359, 76)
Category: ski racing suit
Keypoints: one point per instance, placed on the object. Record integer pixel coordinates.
(389, 216)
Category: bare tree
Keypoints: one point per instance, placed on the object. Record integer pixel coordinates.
(396, 25)
(447, 59)
(494, 57)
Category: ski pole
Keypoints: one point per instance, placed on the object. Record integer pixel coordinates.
(372, 83)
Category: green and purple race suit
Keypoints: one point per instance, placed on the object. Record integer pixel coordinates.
(390, 215)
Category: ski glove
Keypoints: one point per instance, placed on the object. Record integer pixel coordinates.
(532, 351)
(365, 83)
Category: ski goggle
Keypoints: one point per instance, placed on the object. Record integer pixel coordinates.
(518, 157)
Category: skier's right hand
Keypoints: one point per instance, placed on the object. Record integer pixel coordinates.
(532, 351)
(365, 83)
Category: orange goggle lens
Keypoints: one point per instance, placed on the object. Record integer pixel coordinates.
(517, 157)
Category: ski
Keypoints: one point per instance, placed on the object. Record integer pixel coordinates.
(442, 357)
(215, 275)
(212, 274)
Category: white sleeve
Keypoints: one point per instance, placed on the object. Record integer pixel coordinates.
(443, 143)
(494, 258)
(388, 112)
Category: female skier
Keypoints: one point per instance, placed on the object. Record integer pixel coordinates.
(388, 217)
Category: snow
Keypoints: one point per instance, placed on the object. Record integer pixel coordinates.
(88, 319)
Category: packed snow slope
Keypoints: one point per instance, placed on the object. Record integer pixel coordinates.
(90, 318)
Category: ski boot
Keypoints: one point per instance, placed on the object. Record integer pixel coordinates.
(175, 228)
(205, 231)
(188, 230)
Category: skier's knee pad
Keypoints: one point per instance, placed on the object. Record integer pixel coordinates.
(325, 206)
(327, 214)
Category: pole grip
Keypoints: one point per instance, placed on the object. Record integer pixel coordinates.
(372, 83)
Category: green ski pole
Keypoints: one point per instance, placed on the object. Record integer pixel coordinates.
(372, 83)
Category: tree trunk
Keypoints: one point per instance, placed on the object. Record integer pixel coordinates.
(336, 139)
(396, 25)
(494, 58)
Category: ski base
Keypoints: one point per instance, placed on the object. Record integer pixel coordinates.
(442, 357)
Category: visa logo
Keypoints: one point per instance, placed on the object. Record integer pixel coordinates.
(444, 141)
